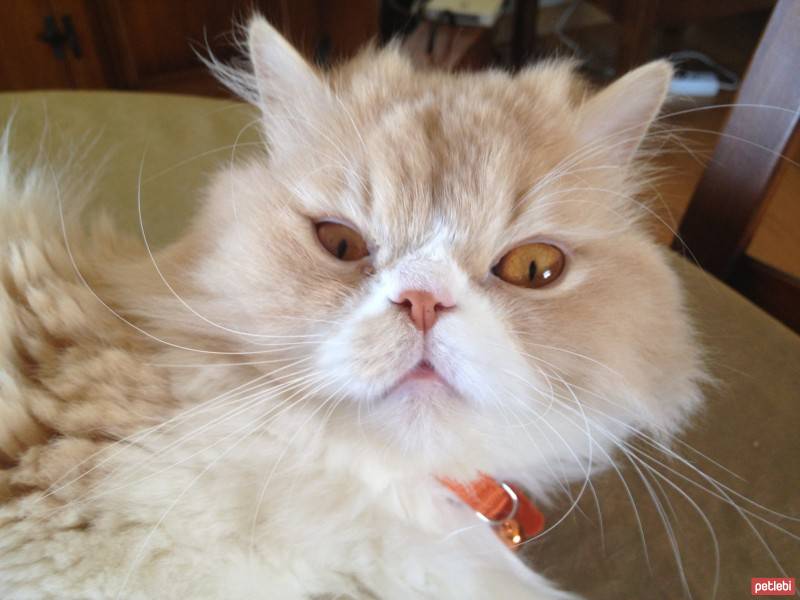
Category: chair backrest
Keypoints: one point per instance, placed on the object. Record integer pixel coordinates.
(734, 190)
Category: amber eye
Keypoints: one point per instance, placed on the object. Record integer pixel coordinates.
(531, 265)
(341, 241)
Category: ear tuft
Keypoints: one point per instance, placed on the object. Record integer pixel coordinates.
(619, 116)
(282, 75)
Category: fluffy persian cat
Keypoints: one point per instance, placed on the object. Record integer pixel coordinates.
(428, 276)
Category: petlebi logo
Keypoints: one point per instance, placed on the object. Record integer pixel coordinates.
(772, 586)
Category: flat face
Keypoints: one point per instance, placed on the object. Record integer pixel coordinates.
(464, 257)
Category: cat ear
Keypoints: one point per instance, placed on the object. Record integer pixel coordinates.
(289, 90)
(282, 74)
(618, 117)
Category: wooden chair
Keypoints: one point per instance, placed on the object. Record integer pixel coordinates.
(736, 187)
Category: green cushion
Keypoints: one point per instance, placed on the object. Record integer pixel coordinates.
(750, 424)
(177, 142)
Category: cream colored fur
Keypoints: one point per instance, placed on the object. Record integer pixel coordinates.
(232, 430)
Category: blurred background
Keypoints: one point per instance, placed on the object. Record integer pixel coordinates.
(153, 46)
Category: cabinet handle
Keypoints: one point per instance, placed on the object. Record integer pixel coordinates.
(61, 38)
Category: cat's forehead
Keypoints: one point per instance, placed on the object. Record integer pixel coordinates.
(453, 161)
(462, 120)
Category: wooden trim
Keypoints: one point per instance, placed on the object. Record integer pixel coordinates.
(672, 13)
(113, 43)
(86, 70)
(523, 42)
(682, 12)
(732, 195)
(638, 22)
(776, 292)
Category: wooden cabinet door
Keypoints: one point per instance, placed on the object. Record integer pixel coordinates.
(28, 61)
(153, 44)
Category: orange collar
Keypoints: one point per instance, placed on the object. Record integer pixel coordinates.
(504, 506)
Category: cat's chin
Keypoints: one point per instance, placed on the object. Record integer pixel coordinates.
(418, 417)
(422, 396)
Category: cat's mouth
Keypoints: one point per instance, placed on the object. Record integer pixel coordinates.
(423, 370)
(423, 373)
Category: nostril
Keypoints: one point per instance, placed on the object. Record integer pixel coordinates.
(403, 303)
(423, 307)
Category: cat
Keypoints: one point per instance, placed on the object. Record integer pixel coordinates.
(428, 276)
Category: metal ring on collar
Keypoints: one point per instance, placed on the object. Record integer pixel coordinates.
(511, 514)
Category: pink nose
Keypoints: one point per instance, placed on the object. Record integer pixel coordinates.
(423, 307)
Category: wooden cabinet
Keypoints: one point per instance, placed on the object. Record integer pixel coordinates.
(153, 44)
(47, 44)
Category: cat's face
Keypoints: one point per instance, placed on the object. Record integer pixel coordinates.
(463, 254)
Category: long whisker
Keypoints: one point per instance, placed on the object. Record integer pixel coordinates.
(93, 493)
(145, 542)
(657, 503)
(116, 314)
(655, 444)
(720, 494)
(585, 483)
(256, 400)
(139, 436)
(597, 146)
(186, 161)
(281, 456)
(118, 446)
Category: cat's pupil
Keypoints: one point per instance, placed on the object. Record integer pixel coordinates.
(532, 270)
(341, 249)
